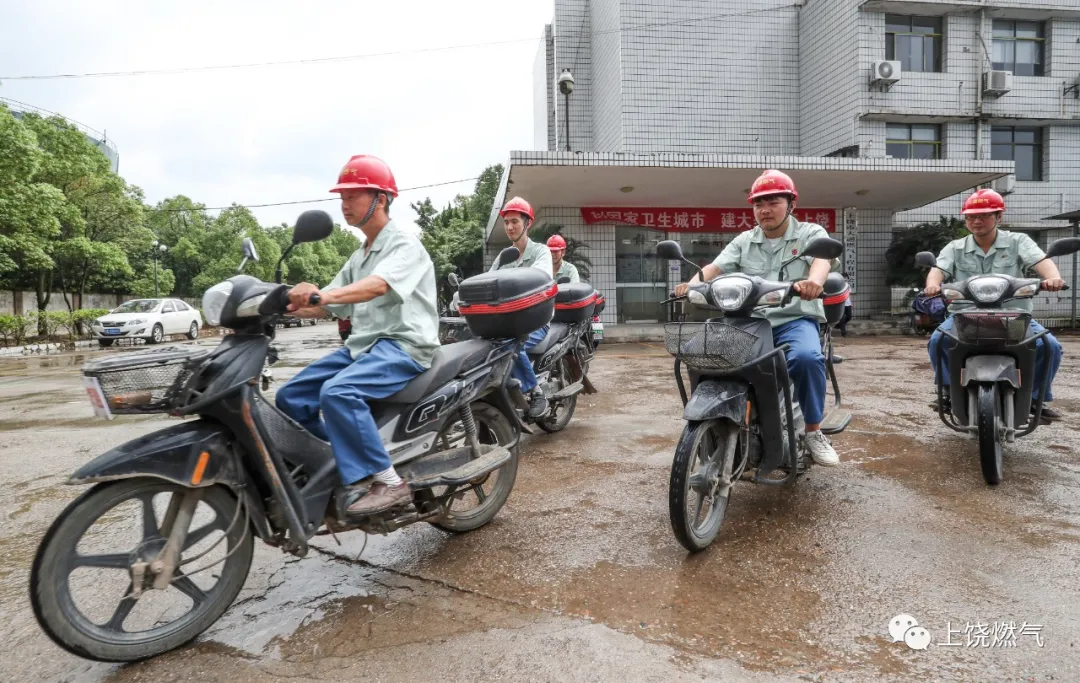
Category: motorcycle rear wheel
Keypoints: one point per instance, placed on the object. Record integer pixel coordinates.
(704, 458)
(58, 558)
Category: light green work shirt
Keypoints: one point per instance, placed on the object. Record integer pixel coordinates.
(407, 313)
(1010, 254)
(751, 253)
(567, 269)
(535, 255)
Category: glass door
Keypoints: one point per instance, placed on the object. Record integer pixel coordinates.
(640, 276)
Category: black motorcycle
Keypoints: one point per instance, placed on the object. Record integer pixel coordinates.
(742, 421)
(561, 360)
(991, 360)
(242, 468)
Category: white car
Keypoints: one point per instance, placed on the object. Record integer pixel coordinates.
(149, 319)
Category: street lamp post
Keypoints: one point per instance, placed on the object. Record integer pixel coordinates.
(566, 86)
(156, 248)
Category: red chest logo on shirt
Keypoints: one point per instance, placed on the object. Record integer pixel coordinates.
(794, 252)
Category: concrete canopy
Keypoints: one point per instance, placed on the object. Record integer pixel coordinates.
(571, 179)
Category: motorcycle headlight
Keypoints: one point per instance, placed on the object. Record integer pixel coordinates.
(730, 293)
(250, 307)
(987, 290)
(1027, 290)
(213, 302)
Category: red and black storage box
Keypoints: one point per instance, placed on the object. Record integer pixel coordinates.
(575, 302)
(598, 306)
(509, 303)
(836, 292)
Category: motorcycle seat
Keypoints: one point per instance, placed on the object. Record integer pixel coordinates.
(449, 361)
(556, 333)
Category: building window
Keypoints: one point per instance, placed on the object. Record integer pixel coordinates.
(1022, 145)
(1019, 47)
(914, 41)
(851, 152)
(913, 141)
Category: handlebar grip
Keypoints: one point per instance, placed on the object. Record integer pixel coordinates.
(314, 300)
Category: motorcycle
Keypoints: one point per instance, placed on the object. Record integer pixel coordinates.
(991, 360)
(561, 360)
(742, 421)
(243, 469)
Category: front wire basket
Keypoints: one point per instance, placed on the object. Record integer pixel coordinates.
(146, 382)
(711, 345)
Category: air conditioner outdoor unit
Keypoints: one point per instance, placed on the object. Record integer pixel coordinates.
(1004, 185)
(886, 72)
(997, 82)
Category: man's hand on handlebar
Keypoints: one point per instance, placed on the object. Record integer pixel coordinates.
(681, 289)
(808, 289)
(304, 295)
(1053, 284)
(932, 290)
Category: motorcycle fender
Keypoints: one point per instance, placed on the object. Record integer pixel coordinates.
(992, 369)
(714, 399)
(175, 454)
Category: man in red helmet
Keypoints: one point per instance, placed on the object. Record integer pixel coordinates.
(517, 216)
(557, 246)
(387, 290)
(988, 249)
(777, 237)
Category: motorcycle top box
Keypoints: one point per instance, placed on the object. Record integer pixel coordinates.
(507, 304)
(575, 302)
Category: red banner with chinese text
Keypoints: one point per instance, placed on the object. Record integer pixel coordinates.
(697, 220)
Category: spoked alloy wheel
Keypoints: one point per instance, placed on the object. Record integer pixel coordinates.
(701, 481)
(83, 584)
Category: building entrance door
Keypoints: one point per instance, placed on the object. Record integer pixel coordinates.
(640, 276)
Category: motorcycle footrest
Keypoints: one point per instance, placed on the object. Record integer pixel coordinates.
(572, 390)
(492, 459)
(835, 422)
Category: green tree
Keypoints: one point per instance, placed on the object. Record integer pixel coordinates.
(900, 256)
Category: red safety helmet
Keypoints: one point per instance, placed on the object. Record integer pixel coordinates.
(556, 242)
(771, 183)
(365, 172)
(983, 201)
(518, 204)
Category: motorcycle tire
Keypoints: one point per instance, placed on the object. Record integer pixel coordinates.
(990, 455)
(696, 537)
(62, 620)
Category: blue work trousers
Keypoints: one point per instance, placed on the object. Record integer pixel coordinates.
(522, 370)
(338, 388)
(806, 365)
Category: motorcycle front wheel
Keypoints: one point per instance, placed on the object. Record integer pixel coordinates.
(701, 481)
(111, 623)
(989, 418)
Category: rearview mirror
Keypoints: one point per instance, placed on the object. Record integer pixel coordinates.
(563, 280)
(312, 226)
(452, 278)
(670, 250)
(249, 250)
(925, 259)
(1063, 246)
(508, 255)
(824, 248)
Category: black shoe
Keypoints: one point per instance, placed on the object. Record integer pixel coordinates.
(1048, 414)
(538, 404)
(947, 407)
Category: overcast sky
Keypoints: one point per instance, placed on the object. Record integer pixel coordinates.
(281, 133)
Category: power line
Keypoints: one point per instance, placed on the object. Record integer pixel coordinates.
(395, 53)
(312, 201)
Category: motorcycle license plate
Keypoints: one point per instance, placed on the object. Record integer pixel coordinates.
(97, 398)
(597, 331)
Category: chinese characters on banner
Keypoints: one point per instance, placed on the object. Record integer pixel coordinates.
(851, 245)
(698, 220)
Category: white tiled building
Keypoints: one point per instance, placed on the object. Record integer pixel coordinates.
(679, 106)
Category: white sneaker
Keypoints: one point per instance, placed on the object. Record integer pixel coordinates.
(820, 449)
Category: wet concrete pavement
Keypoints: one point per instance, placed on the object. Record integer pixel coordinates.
(580, 577)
